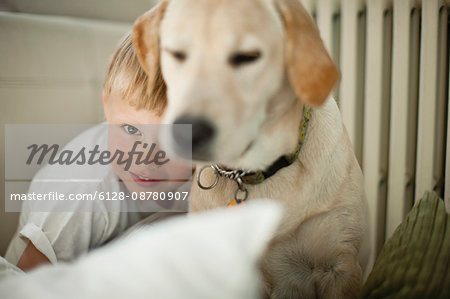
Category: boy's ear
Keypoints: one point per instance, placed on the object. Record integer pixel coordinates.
(103, 97)
(104, 104)
(146, 41)
(311, 70)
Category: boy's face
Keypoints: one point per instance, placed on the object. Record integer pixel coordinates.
(128, 126)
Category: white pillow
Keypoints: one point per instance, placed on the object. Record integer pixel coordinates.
(210, 255)
(7, 269)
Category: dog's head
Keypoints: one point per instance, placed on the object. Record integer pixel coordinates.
(225, 63)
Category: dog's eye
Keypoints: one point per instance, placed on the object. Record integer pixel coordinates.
(178, 55)
(241, 58)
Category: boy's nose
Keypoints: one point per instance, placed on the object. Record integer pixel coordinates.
(202, 134)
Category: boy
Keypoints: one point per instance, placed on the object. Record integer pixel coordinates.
(45, 237)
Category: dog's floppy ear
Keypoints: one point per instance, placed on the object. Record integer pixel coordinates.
(311, 70)
(146, 42)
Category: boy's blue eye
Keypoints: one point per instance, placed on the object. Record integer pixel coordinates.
(131, 130)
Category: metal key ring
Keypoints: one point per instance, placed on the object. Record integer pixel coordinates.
(213, 184)
(239, 200)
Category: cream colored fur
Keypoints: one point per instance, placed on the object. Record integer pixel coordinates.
(257, 109)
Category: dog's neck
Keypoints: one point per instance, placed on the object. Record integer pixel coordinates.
(278, 133)
(258, 176)
(282, 135)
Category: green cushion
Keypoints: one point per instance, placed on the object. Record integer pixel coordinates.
(415, 261)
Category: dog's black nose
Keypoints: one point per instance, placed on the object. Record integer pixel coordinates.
(202, 133)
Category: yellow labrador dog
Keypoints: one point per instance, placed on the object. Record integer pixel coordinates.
(253, 78)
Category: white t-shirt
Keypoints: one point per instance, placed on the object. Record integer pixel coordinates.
(63, 236)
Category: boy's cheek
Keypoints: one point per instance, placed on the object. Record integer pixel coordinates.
(122, 145)
(119, 141)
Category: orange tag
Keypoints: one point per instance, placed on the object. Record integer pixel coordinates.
(234, 203)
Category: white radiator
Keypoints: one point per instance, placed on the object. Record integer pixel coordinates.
(394, 98)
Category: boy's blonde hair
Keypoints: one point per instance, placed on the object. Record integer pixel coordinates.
(126, 76)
